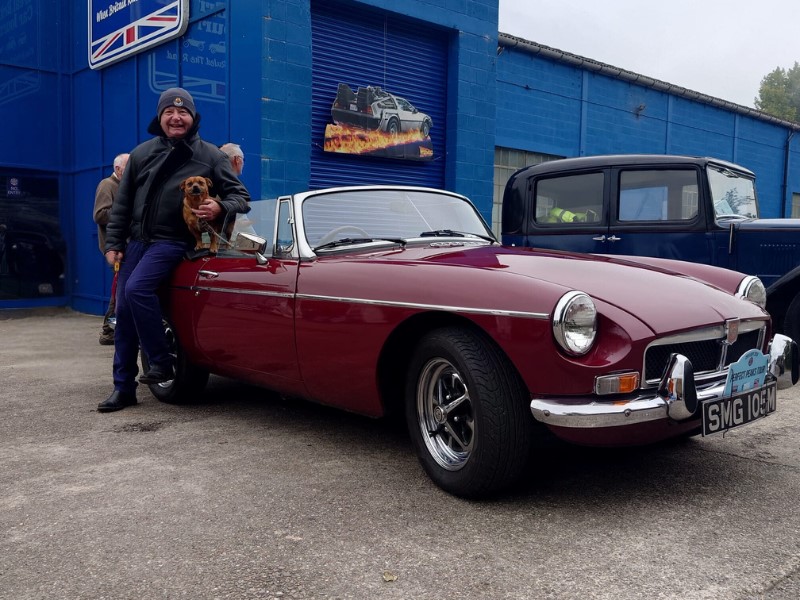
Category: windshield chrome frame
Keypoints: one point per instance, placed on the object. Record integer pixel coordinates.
(306, 251)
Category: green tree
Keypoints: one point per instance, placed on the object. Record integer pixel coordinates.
(779, 93)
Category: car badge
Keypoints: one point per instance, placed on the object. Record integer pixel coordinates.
(731, 331)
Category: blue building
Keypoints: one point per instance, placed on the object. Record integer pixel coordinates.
(79, 83)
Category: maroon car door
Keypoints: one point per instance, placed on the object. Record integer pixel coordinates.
(244, 315)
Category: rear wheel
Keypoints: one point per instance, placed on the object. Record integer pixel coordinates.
(189, 382)
(466, 411)
(393, 127)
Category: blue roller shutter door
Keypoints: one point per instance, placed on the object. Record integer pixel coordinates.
(377, 49)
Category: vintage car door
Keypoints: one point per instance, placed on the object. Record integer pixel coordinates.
(245, 309)
(657, 211)
(569, 212)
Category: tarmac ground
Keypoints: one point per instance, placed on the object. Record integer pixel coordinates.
(248, 495)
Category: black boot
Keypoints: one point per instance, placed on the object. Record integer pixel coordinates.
(117, 401)
(157, 375)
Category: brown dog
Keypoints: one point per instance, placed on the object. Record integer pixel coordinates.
(195, 190)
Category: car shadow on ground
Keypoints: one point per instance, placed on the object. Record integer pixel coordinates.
(557, 468)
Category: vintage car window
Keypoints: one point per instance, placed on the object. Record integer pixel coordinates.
(658, 195)
(404, 105)
(387, 214)
(260, 220)
(285, 240)
(573, 199)
(732, 194)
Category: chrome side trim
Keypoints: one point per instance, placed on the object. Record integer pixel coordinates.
(442, 307)
(199, 288)
(412, 305)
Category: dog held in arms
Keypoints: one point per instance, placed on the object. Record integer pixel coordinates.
(195, 190)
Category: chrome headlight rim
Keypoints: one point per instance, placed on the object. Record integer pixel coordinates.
(752, 289)
(575, 338)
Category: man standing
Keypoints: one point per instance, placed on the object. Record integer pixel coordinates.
(148, 237)
(236, 156)
(103, 199)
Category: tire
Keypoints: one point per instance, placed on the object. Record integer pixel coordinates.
(425, 130)
(479, 443)
(393, 127)
(189, 382)
(791, 321)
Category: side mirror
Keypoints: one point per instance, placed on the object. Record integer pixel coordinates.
(250, 243)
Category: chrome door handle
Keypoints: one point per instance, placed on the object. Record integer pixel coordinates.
(613, 238)
(600, 238)
(208, 274)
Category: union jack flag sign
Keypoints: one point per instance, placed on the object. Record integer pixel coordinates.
(121, 28)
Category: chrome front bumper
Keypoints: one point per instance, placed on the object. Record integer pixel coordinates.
(676, 398)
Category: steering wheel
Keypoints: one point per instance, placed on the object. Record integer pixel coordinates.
(334, 233)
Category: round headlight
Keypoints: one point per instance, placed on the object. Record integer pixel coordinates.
(575, 323)
(752, 289)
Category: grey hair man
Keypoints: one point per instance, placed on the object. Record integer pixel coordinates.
(236, 156)
(103, 199)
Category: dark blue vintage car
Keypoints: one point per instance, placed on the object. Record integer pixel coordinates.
(695, 209)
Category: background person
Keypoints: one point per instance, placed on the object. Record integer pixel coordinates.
(236, 156)
(148, 213)
(103, 200)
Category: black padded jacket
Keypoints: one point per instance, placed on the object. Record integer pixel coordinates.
(149, 204)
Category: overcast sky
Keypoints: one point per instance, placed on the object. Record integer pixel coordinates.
(720, 48)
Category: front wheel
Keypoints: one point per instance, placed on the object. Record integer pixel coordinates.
(190, 380)
(466, 411)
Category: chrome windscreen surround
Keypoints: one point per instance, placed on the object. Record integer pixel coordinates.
(710, 350)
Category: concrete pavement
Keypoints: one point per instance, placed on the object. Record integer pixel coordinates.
(246, 495)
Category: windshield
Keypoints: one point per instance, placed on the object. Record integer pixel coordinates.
(732, 195)
(388, 214)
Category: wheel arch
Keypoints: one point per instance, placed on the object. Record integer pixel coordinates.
(398, 351)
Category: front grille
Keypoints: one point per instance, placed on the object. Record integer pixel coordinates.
(703, 355)
(704, 349)
(747, 341)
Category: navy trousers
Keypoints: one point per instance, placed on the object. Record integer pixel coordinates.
(145, 266)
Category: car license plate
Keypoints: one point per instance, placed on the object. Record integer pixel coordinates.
(739, 409)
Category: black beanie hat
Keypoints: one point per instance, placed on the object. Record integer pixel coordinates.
(176, 97)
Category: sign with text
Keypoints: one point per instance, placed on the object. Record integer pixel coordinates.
(121, 28)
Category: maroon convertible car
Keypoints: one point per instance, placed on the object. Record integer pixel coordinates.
(374, 299)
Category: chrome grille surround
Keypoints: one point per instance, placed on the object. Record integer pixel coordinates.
(707, 349)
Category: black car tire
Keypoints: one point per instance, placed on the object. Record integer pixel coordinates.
(393, 126)
(190, 380)
(791, 322)
(467, 413)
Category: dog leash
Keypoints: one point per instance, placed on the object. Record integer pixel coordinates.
(206, 227)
